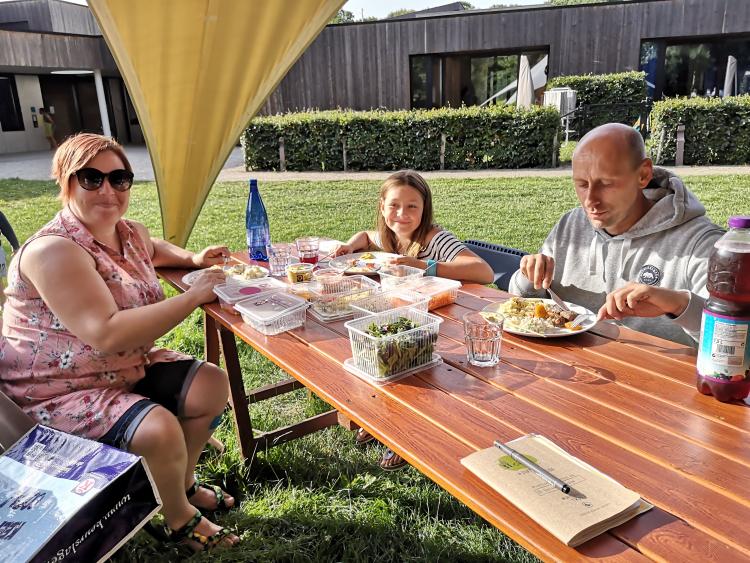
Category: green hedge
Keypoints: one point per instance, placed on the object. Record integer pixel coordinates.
(593, 90)
(497, 137)
(717, 131)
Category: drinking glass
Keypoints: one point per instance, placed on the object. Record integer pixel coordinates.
(307, 249)
(279, 257)
(483, 339)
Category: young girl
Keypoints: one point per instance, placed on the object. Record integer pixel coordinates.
(405, 227)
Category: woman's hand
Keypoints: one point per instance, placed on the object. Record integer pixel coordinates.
(210, 256)
(203, 286)
(641, 300)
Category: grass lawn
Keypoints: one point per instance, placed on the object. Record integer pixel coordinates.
(320, 498)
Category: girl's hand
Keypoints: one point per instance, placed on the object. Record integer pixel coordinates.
(342, 249)
(210, 256)
(409, 261)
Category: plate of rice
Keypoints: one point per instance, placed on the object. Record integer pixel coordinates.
(540, 318)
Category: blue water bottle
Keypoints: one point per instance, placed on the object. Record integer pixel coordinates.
(256, 224)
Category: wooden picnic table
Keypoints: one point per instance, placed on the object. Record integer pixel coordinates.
(623, 401)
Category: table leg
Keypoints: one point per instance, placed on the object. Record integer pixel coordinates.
(238, 396)
(211, 339)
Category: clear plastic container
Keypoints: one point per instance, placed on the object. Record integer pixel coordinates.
(327, 276)
(387, 300)
(231, 293)
(384, 358)
(273, 312)
(299, 272)
(303, 290)
(332, 301)
(392, 276)
(441, 291)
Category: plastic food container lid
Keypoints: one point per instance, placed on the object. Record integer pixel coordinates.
(433, 285)
(235, 292)
(268, 307)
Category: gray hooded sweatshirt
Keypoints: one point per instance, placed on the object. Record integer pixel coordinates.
(669, 247)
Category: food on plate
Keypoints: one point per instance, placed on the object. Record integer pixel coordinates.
(534, 315)
(244, 271)
(367, 256)
(395, 355)
(358, 266)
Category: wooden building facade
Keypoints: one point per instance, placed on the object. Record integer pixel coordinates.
(370, 64)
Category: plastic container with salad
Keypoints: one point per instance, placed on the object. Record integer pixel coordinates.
(392, 344)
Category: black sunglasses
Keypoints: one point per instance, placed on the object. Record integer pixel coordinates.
(92, 179)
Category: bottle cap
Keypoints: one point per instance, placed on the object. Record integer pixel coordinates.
(739, 222)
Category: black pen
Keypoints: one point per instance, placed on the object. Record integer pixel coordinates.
(543, 473)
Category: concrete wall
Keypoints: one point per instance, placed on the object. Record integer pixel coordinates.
(31, 138)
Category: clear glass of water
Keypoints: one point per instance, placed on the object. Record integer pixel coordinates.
(279, 257)
(484, 338)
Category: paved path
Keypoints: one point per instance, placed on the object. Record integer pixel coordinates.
(36, 166)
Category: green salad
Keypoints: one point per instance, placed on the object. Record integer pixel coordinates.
(399, 353)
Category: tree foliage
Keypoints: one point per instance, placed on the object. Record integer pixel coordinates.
(343, 16)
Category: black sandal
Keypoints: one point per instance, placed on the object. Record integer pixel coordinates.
(391, 461)
(188, 533)
(363, 437)
(221, 501)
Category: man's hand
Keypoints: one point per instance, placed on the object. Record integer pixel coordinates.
(538, 269)
(641, 300)
(210, 256)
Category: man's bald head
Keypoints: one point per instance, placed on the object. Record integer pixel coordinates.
(622, 139)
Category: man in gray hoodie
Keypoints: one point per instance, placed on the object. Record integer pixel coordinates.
(636, 250)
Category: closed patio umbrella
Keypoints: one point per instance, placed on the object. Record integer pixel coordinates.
(730, 78)
(197, 71)
(525, 93)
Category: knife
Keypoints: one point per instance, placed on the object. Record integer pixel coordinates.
(556, 298)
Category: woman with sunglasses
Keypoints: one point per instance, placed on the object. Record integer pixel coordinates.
(83, 311)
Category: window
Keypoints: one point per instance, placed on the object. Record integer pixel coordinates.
(456, 79)
(695, 68)
(10, 110)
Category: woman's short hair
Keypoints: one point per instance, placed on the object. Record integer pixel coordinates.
(76, 152)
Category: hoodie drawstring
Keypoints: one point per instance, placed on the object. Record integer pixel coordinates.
(593, 255)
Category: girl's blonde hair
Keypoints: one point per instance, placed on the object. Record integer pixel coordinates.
(76, 152)
(388, 239)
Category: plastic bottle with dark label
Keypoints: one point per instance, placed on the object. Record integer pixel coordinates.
(724, 347)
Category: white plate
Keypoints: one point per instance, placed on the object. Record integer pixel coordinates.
(189, 278)
(353, 262)
(586, 324)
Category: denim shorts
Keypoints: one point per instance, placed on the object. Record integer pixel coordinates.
(166, 384)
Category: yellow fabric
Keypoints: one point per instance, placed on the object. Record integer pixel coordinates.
(197, 71)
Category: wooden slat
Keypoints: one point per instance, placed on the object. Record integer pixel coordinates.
(639, 379)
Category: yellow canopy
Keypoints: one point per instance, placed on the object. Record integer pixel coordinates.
(197, 71)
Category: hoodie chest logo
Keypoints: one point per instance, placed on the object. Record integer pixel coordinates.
(650, 275)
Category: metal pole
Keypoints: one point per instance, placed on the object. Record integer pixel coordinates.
(680, 152)
(282, 155)
(442, 151)
(343, 151)
(102, 102)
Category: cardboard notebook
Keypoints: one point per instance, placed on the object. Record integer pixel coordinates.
(595, 504)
